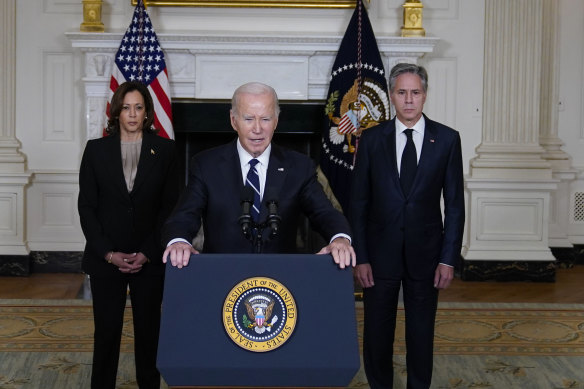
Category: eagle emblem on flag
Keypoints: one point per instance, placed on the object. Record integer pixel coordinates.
(358, 112)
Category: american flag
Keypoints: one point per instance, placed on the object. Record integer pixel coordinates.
(140, 58)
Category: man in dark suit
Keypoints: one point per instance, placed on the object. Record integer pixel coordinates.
(217, 177)
(403, 168)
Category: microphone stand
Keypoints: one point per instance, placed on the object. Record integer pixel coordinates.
(257, 235)
(253, 231)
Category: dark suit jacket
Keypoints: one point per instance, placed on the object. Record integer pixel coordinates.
(391, 230)
(213, 195)
(113, 219)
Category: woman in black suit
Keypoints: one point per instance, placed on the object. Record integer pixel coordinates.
(128, 184)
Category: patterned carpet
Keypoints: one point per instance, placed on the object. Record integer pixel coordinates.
(48, 344)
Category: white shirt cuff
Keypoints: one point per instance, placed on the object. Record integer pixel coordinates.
(341, 236)
(178, 240)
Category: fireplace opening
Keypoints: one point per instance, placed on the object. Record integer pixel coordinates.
(203, 124)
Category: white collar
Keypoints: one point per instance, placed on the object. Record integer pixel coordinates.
(245, 157)
(418, 127)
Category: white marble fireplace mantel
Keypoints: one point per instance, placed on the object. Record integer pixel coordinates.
(211, 66)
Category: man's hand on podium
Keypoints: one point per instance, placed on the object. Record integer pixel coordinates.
(179, 254)
(342, 252)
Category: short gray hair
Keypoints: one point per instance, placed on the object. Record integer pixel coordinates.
(402, 68)
(254, 88)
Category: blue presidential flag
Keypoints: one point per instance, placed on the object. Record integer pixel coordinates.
(357, 100)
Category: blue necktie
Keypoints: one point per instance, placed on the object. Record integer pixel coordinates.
(253, 180)
(409, 163)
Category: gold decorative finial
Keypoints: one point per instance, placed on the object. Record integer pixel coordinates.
(92, 16)
(413, 19)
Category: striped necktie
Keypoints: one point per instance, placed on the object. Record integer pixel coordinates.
(253, 180)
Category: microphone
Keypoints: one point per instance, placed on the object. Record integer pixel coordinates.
(246, 204)
(273, 220)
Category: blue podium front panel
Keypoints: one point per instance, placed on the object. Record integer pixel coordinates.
(321, 349)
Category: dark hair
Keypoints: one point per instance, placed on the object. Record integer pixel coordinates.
(113, 124)
(402, 68)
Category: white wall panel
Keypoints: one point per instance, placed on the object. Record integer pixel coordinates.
(225, 73)
(581, 126)
(52, 219)
(508, 219)
(8, 213)
(12, 203)
(58, 209)
(441, 101)
(58, 104)
(62, 6)
(49, 110)
(571, 75)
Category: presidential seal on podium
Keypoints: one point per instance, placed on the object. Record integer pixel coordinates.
(259, 314)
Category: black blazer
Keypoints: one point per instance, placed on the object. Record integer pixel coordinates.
(213, 195)
(113, 219)
(391, 230)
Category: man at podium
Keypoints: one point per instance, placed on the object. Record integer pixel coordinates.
(250, 193)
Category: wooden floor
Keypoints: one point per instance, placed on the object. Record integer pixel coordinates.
(567, 289)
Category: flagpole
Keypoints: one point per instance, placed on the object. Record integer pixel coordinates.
(359, 78)
(141, 43)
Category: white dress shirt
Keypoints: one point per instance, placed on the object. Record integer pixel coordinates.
(401, 139)
(261, 167)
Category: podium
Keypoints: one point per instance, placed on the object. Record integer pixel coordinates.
(314, 309)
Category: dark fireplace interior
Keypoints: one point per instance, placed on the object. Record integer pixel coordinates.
(199, 125)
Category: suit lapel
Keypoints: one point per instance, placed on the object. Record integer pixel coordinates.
(149, 156)
(427, 152)
(113, 161)
(275, 177)
(229, 169)
(390, 155)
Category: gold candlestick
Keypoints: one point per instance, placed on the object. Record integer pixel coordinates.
(413, 19)
(92, 16)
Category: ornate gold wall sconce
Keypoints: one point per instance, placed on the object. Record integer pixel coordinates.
(413, 19)
(92, 16)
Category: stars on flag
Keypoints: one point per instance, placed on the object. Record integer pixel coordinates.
(335, 160)
(139, 56)
(356, 65)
